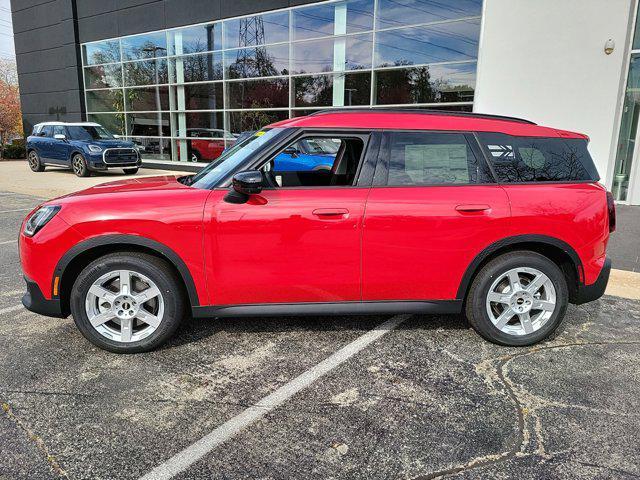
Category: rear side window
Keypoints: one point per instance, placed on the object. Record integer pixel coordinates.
(533, 159)
(47, 131)
(426, 158)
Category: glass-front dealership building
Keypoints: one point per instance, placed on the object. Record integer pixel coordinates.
(183, 79)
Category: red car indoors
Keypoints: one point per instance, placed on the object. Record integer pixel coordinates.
(422, 212)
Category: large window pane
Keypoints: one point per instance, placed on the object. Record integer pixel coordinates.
(341, 53)
(397, 13)
(149, 45)
(201, 38)
(257, 62)
(436, 43)
(147, 99)
(189, 124)
(114, 123)
(101, 52)
(272, 93)
(256, 30)
(628, 131)
(251, 120)
(205, 96)
(104, 101)
(196, 68)
(146, 72)
(333, 90)
(435, 83)
(148, 124)
(103, 76)
(153, 148)
(320, 20)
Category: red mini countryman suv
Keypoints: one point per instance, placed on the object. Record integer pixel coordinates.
(422, 212)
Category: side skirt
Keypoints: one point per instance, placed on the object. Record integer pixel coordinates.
(339, 308)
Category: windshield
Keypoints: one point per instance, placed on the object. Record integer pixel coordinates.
(232, 158)
(88, 132)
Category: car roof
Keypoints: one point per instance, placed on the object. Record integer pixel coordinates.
(408, 119)
(72, 124)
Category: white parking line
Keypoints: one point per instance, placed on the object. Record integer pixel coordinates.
(7, 242)
(15, 308)
(17, 210)
(187, 457)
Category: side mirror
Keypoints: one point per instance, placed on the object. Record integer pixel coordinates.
(248, 182)
(60, 136)
(293, 151)
(244, 184)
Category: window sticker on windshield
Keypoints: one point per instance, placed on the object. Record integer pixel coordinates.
(501, 151)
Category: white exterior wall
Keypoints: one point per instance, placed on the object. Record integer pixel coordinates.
(544, 60)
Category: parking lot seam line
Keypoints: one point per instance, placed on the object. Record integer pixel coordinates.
(15, 308)
(196, 451)
(8, 242)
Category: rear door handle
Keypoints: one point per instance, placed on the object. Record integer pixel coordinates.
(330, 212)
(470, 208)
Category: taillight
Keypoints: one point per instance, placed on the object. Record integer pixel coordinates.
(611, 209)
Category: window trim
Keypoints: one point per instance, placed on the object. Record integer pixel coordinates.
(381, 175)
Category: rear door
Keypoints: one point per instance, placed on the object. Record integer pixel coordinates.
(44, 144)
(433, 207)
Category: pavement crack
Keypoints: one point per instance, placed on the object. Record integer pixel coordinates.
(37, 440)
(518, 447)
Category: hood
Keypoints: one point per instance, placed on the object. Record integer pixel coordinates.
(129, 186)
(113, 143)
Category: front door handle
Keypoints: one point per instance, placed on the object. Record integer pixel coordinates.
(471, 208)
(330, 212)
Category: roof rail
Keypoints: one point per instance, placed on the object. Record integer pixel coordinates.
(424, 111)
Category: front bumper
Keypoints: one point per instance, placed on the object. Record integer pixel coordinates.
(34, 301)
(589, 293)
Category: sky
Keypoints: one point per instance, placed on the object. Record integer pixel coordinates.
(6, 31)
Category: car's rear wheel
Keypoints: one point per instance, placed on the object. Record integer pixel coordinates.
(130, 171)
(127, 302)
(79, 166)
(35, 164)
(517, 299)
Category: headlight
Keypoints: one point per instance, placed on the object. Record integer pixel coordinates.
(39, 219)
(95, 148)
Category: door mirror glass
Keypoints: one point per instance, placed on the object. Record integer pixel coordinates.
(293, 151)
(60, 136)
(248, 182)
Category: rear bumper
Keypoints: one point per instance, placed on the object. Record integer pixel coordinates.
(589, 293)
(34, 301)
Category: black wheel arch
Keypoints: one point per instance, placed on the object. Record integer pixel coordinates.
(559, 251)
(81, 254)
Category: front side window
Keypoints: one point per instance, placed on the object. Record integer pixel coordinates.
(59, 130)
(316, 162)
(537, 159)
(425, 158)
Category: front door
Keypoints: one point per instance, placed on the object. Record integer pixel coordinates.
(297, 241)
(433, 210)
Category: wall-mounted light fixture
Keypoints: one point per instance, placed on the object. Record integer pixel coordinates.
(609, 46)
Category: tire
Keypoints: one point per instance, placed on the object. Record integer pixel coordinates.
(35, 164)
(116, 309)
(499, 321)
(79, 166)
(130, 171)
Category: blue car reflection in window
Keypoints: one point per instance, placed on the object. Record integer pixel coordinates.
(308, 154)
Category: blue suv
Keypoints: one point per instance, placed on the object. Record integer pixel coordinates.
(83, 147)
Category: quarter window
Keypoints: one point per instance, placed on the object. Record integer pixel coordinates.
(419, 158)
(535, 159)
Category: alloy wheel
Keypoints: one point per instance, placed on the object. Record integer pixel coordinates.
(33, 160)
(521, 301)
(124, 306)
(78, 165)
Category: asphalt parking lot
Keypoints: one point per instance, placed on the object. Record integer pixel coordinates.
(411, 397)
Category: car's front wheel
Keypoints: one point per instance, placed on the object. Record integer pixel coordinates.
(517, 299)
(35, 164)
(127, 302)
(79, 166)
